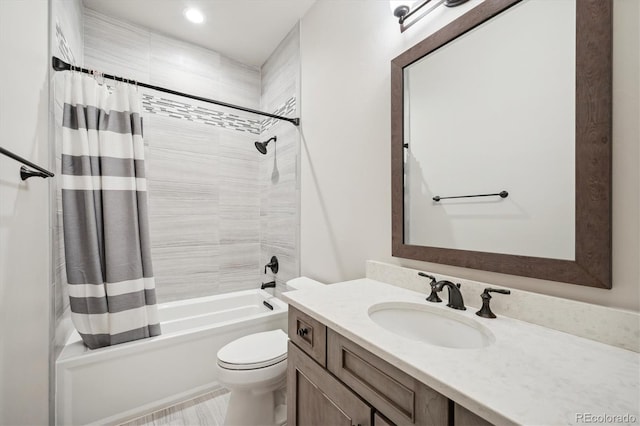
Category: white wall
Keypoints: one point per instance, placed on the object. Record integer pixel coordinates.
(346, 191)
(24, 215)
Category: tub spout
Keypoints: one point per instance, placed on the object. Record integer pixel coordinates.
(270, 284)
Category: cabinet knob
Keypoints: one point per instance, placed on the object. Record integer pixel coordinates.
(303, 331)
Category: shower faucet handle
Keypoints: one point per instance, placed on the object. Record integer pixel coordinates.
(273, 265)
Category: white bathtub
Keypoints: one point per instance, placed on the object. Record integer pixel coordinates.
(117, 383)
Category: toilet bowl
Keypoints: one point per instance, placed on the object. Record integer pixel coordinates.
(254, 369)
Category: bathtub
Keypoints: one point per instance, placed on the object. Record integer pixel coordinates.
(118, 383)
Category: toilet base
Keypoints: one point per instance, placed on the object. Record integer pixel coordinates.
(247, 408)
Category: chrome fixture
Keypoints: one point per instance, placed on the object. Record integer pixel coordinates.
(262, 146)
(405, 9)
(485, 311)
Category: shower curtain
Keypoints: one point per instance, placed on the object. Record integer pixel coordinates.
(104, 209)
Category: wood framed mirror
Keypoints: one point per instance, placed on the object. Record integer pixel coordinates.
(590, 261)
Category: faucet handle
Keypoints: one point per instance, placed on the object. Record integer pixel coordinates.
(273, 265)
(485, 311)
(433, 297)
(422, 274)
(495, 290)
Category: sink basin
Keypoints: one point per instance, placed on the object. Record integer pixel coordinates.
(431, 325)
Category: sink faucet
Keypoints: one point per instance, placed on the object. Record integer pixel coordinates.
(455, 297)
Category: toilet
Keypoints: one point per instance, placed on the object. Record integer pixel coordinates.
(254, 369)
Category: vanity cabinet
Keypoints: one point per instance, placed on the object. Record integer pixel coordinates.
(333, 381)
(317, 399)
(464, 417)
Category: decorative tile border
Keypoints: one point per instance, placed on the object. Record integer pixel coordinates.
(170, 108)
(184, 111)
(287, 110)
(63, 46)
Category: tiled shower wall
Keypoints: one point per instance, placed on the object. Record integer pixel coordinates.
(279, 183)
(207, 201)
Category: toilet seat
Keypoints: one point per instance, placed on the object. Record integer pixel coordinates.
(259, 350)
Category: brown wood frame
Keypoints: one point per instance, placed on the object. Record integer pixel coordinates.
(592, 264)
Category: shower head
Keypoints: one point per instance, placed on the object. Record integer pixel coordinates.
(262, 146)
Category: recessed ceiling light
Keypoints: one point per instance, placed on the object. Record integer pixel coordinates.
(194, 15)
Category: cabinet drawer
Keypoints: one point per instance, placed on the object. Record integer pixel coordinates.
(309, 335)
(315, 398)
(396, 395)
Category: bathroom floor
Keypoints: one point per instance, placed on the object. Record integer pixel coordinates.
(206, 410)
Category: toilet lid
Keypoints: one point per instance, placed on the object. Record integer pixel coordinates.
(257, 350)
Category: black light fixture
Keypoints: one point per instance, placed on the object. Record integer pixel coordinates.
(400, 10)
(405, 9)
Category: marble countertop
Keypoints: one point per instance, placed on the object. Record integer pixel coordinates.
(530, 375)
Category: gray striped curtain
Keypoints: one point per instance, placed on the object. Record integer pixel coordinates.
(104, 209)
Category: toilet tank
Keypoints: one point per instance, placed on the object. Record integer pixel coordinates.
(301, 283)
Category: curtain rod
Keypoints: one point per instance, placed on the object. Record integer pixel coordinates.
(60, 65)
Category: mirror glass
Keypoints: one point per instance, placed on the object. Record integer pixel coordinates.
(512, 99)
(494, 110)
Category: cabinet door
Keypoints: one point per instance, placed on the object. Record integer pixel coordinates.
(399, 397)
(378, 420)
(464, 417)
(315, 398)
